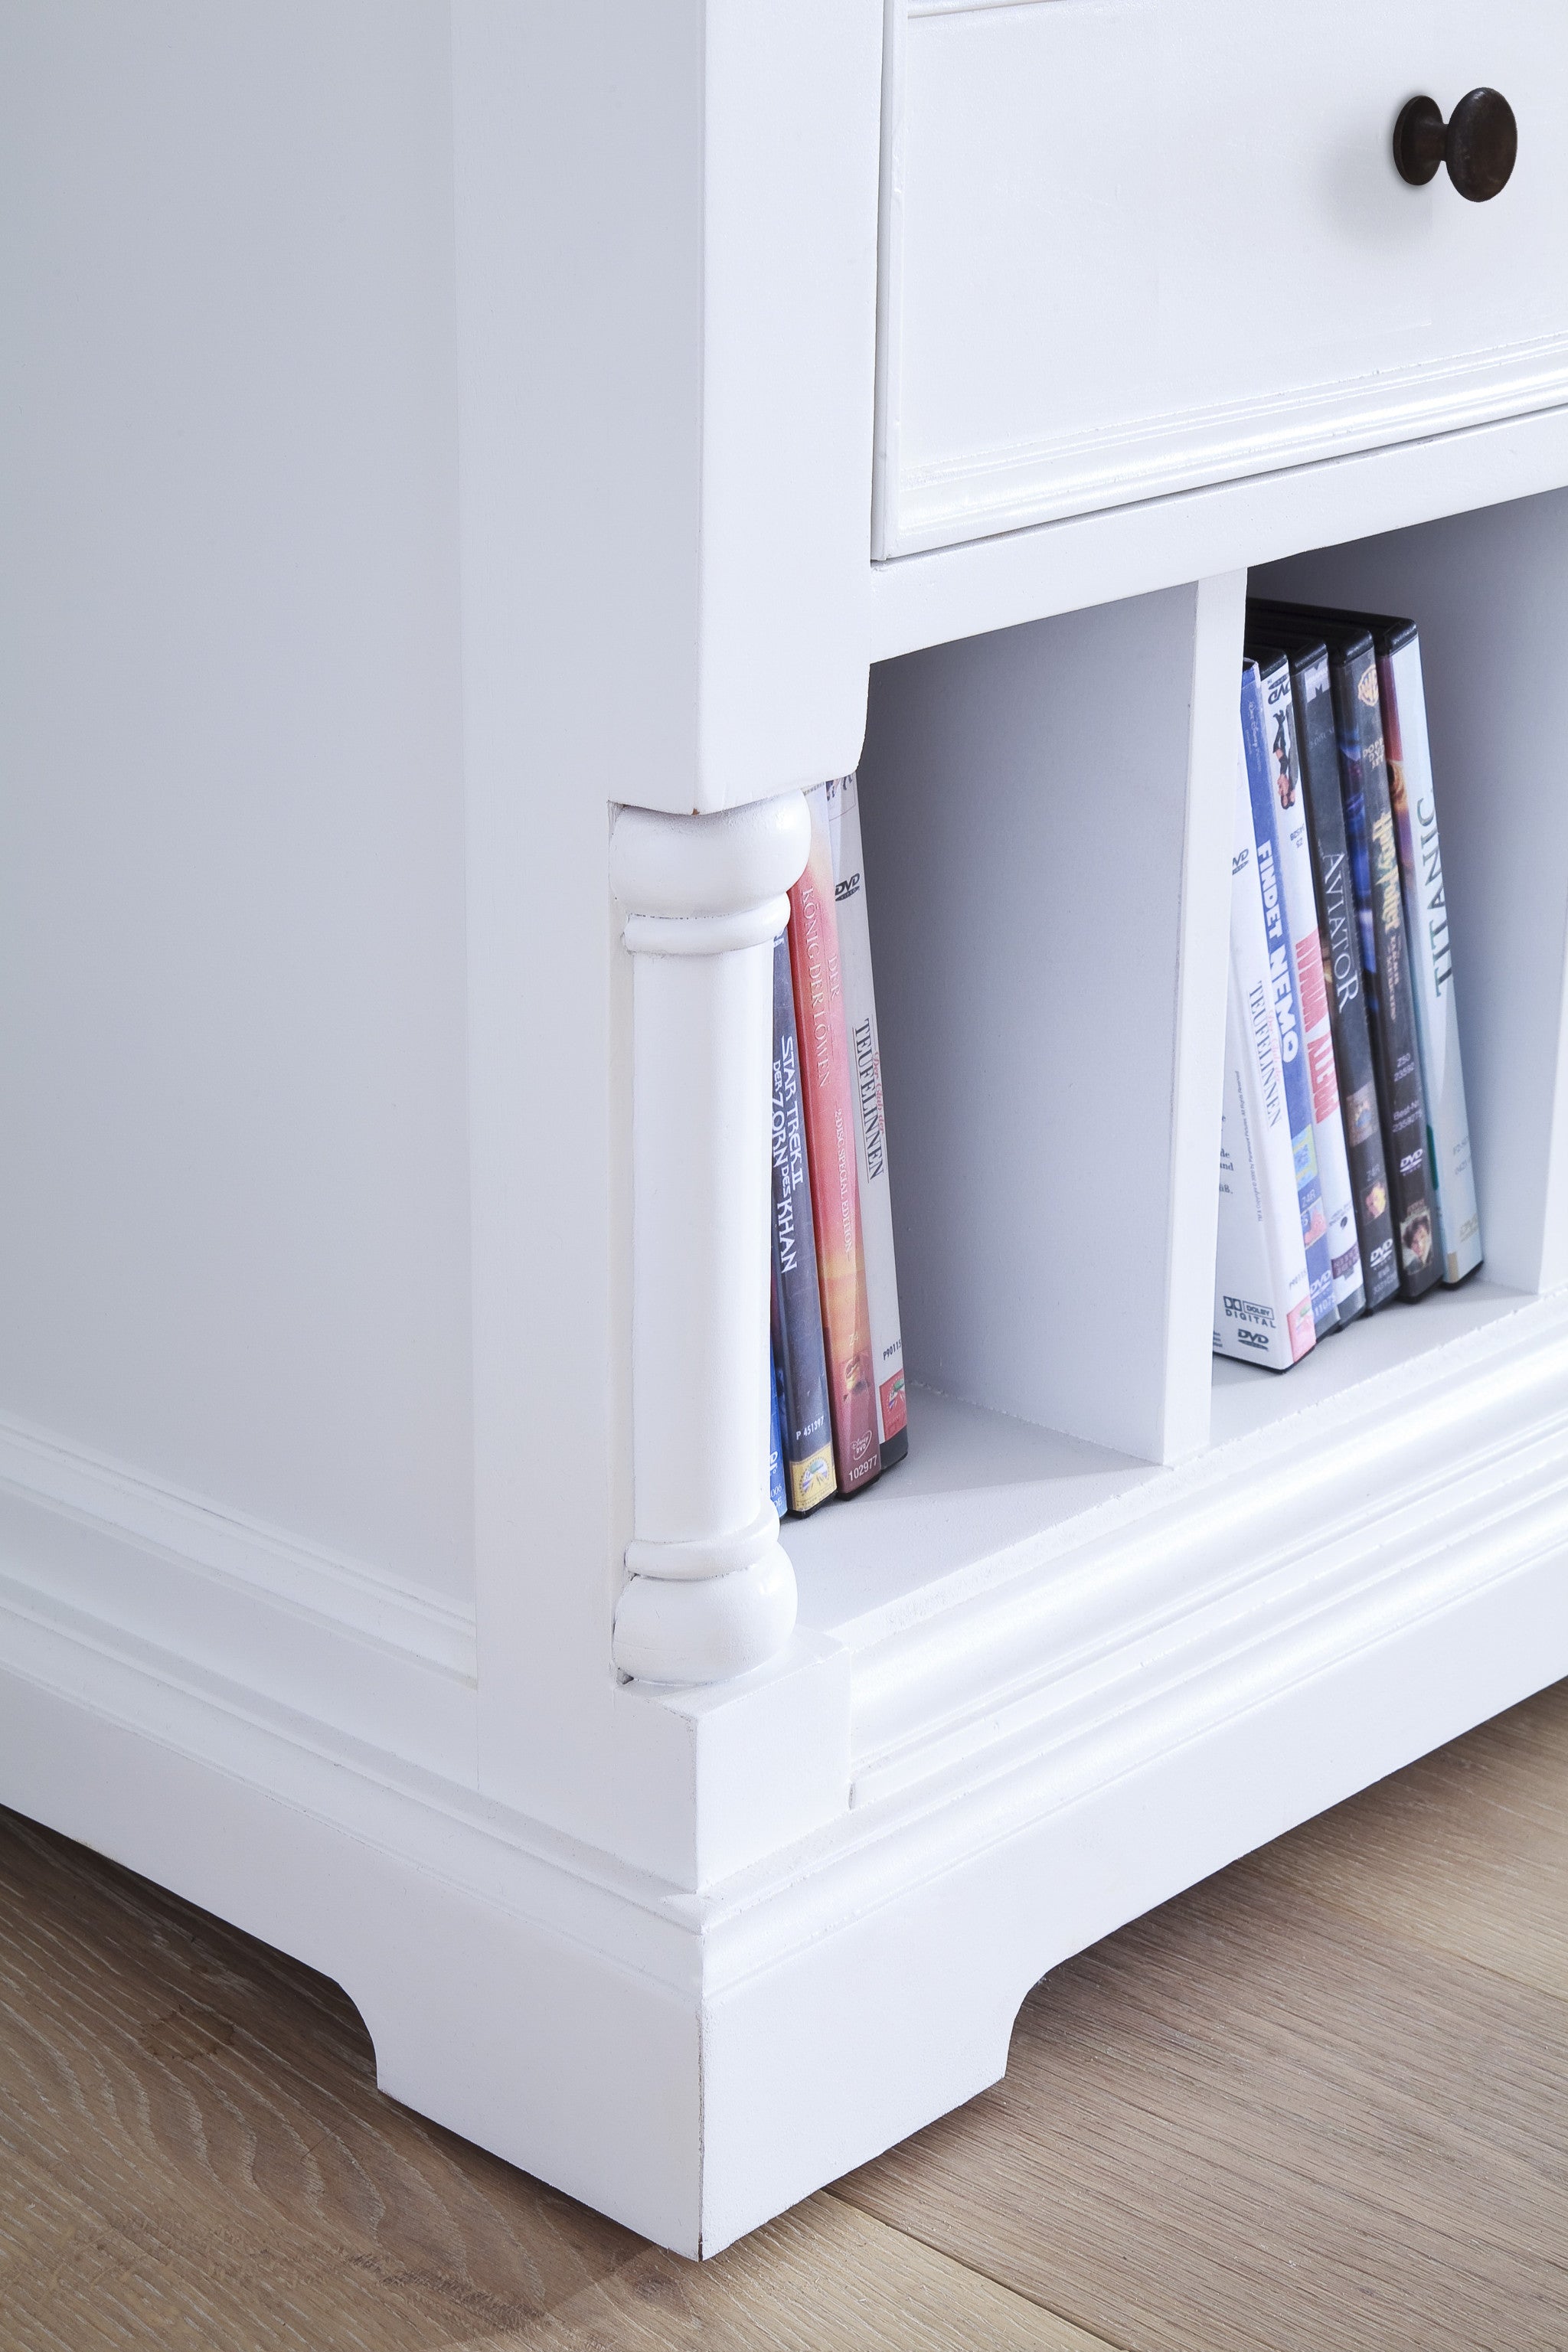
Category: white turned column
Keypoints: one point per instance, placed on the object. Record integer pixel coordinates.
(710, 1593)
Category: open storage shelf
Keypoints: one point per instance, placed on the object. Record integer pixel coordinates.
(985, 1498)
(1046, 857)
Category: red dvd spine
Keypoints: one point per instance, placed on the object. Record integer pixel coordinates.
(828, 1090)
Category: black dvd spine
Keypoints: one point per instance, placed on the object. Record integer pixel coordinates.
(798, 1351)
(1385, 963)
(1312, 694)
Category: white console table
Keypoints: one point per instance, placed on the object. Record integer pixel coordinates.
(467, 467)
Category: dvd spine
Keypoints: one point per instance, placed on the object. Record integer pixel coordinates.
(1375, 868)
(778, 1495)
(1317, 1028)
(1263, 1302)
(827, 1091)
(1317, 739)
(801, 1368)
(870, 1131)
(1286, 999)
(1411, 794)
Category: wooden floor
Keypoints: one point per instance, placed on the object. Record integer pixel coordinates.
(1320, 2102)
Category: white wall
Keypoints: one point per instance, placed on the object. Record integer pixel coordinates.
(233, 1162)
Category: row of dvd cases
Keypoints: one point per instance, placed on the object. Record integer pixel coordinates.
(1346, 1175)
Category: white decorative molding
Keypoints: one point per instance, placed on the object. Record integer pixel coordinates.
(887, 471)
(330, 1636)
(1335, 1524)
(993, 582)
(711, 1592)
(969, 7)
(984, 493)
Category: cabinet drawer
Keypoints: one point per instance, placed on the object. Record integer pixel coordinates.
(1129, 246)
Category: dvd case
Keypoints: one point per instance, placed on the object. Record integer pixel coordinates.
(1317, 747)
(1287, 1000)
(1413, 800)
(1385, 963)
(1317, 1027)
(1262, 1301)
(870, 1131)
(798, 1354)
(827, 1093)
(778, 1495)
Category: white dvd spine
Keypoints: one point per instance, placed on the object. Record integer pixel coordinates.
(1426, 921)
(870, 1131)
(1262, 1297)
(1317, 1032)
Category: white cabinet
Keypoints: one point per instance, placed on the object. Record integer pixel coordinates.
(471, 465)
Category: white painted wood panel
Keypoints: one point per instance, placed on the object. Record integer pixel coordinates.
(233, 1119)
(1048, 856)
(666, 240)
(1134, 245)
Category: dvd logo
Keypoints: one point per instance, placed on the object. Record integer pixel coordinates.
(1411, 1161)
(1383, 1249)
(1254, 1339)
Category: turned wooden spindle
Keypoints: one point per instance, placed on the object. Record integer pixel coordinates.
(709, 1590)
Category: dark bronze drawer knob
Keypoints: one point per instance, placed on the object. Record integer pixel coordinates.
(1480, 145)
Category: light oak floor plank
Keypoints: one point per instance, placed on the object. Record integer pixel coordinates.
(1320, 2101)
(1466, 1852)
(822, 2279)
(194, 2156)
(192, 2150)
(1300, 2107)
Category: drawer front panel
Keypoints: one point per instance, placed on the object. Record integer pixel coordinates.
(1131, 247)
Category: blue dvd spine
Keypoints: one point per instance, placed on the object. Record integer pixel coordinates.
(778, 1492)
(798, 1351)
(1286, 1004)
